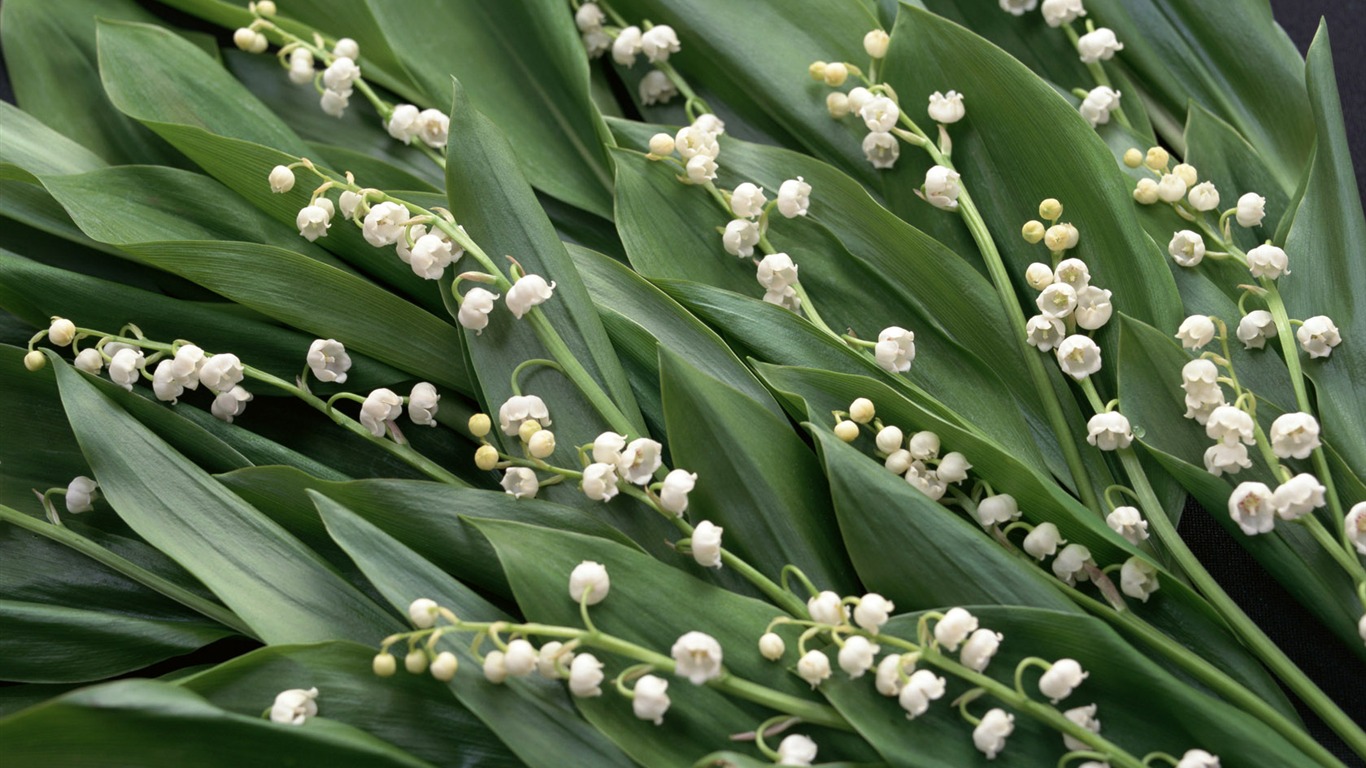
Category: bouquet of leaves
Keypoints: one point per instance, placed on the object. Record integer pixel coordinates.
(671, 382)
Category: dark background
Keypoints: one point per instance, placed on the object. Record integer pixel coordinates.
(1340, 674)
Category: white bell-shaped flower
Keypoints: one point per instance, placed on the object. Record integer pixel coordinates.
(1060, 679)
(814, 668)
(1203, 196)
(747, 201)
(1255, 328)
(1056, 13)
(1186, 248)
(1298, 496)
(384, 223)
(706, 544)
(1138, 579)
(89, 361)
(402, 123)
(607, 448)
(1018, 7)
(991, 733)
(341, 75)
(431, 254)
(380, 407)
(941, 188)
(1195, 332)
(164, 384)
(947, 108)
(872, 611)
(740, 237)
(527, 292)
(656, 88)
(585, 676)
(589, 578)
(857, 655)
(221, 372)
(475, 309)
(433, 127)
(673, 495)
(281, 179)
(651, 699)
(1251, 210)
(702, 169)
(1070, 564)
(301, 66)
(1093, 309)
(955, 625)
(230, 404)
(875, 43)
(771, 646)
(1100, 45)
(697, 656)
(658, 42)
(794, 197)
(518, 409)
(1318, 335)
(423, 403)
(1098, 104)
(627, 46)
(639, 460)
(1057, 300)
(1230, 424)
(1228, 458)
(1268, 261)
(827, 608)
(880, 114)
(1078, 356)
(1171, 188)
(80, 494)
(980, 646)
(1128, 522)
(1294, 435)
(600, 481)
(328, 361)
(922, 687)
(1109, 431)
(889, 672)
(1354, 524)
(294, 706)
(881, 149)
(125, 366)
(1044, 332)
(776, 271)
(994, 510)
(895, 349)
(796, 749)
(1250, 507)
(521, 482)
(1043, 541)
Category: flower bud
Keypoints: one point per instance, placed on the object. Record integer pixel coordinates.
(1171, 188)
(35, 361)
(495, 667)
(527, 429)
(817, 70)
(1033, 232)
(541, 444)
(889, 439)
(862, 410)
(1039, 275)
(589, 578)
(1061, 237)
(1145, 192)
(924, 445)
(661, 144)
(480, 424)
(348, 48)
(1050, 209)
(835, 74)
(771, 646)
(875, 43)
(486, 457)
(845, 430)
(61, 331)
(445, 666)
(837, 104)
(384, 664)
(1133, 158)
(1187, 173)
(422, 612)
(415, 662)
(1251, 210)
(244, 38)
(1157, 158)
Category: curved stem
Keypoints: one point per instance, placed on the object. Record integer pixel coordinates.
(90, 549)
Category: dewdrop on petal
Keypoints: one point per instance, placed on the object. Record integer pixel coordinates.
(589, 578)
(527, 292)
(475, 309)
(979, 648)
(1063, 677)
(948, 108)
(1268, 261)
(1294, 435)
(651, 700)
(954, 627)
(1251, 210)
(1318, 335)
(881, 149)
(1129, 523)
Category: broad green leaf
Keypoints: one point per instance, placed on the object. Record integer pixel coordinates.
(46, 454)
(420, 515)
(50, 55)
(522, 65)
(491, 199)
(1183, 53)
(1121, 681)
(755, 477)
(652, 604)
(57, 644)
(412, 712)
(272, 581)
(128, 723)
(534, 718)
(1023, 143)
(1236, 167)
(1325, 243)
(1151, 397)
(41, 150)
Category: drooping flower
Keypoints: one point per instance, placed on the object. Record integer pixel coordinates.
(1056, 13)
(794, 197)
(607, 448)
(520, 658)
(328, 361)
(1294, 435)
(125, 366)
(814, 667)
(881, 149)
(895, 350)
(1098, 104)
(771, 646)
(384, 223)
(341, 75)
(1268, 261)
(872, 611)
(741, 236)
(1060, 679)
(856, 656)
(627, 45)
(697, 656)
(1298, 496)
(1354, 524)
(706, 544)
(875, 43)
(1226, 457)
(1138, 579)
(658, 42)
(475, 308)
(955, 625)
(1318, 335)
(521, 482)
(1203, 196)
(589, 578)
(164, 384)
(314, 220)
(1187, 248)
(402, 123)
(673, 494)
(941, 188)
(747, 201)
(880, 114)
(1195, 332)
(1255, 328)
(1100, 45)
(422, 404)
(990, 734)
(651, 699)
(1000, 508)
(1128, 522)
(639, 460)
(1043, 541)
(827, 608)
(380, 406)
(1078, 356)
(1044, 332)
(294, 706)
(922, 687)
(527, 292)
(947, 109)
(656, 88)
(585, 676)
(80, 493)
(796, 749)
(1057, 300)
(776, 271)
(1018, 7)
(89, 361)
(281, 179)
(1093, 309)
(981, 645)
(1229, 424)
(1171, 188)
(1197, 758)
(1251, 210)
(1070, 564)
(600, 481)
(1250, 507)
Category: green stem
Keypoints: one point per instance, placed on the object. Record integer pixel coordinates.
(90, 549)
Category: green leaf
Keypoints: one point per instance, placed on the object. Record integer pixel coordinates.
(38, 148)
(534, 718)
(50, 54)
(522, 64)
(46, 456)
(538, 562)
(420, 515)
(1236, 167)
(498, 209)
(1325, 243)
(56, 644)
(756, 478)
(278, 586)
(126, 723)
(413, 712)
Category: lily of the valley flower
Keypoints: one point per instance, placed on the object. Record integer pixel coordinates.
(1056, 13)
(981, 645)
(89, 361)
(1171, 188)
(796, 749)
(1318, 335)
(1203, 196)
(1109, 431)
(827, 608)
(875, 43)
(80, 493)
(1060, 679)
(433, 126)
(1018, 7)
(771, 646)
(314, 220)
(1250, 507)
(776, 271)
(164, 385)
(422, 612)
(281, 179)
(230, 404)
(1070, 564)
(585, 675)
(328, 361)
(1268, 261)
(1044, 332)
(920, 689)
(706, 544)
(814, 668)
(1197, 758)
(990, 734)
(1251, 210)
(794, 197)
(997, 509)
(941, 188)
(301, 66)
(872, 611)
(521, 483)
(1298, 496)
(600, 481)
(294, 706)
(1138, 579)
(881, 149)
(673, 495)
(651, 700)
(589, 578)
(880, 114)
(1195, 332)
(1187, 248)
(697, 656)
(1078, 356)
(954, 627)
(639, 460)
(384, 224)
(895, 349)
(658, 42)
(527, 292)
(422, 404)
(1098, 104)
(1128, 522)
(741, 236)
(1230, 425)
(747, 201)
(125, 366)
(380, 406)
(402, 123)
(1255, 328)
(1294, 435)
(857, 655)
(1355, 525)
(1226, 457)
(946, 109)
(221, 372)
(1100, 45)
(521, 657)
(656, 88)
(1093, 309)
(475, 309)
(1043, 541)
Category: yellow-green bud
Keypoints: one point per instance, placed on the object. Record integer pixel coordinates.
(1133, 158)
(265, 8)
(415, 662)
(661, 145)
(1157, 159)
(528, 428)
(480, 424)
(1032, 231)
(61, 332)
(862, 410)
(34, 361)
(486, 457)
(816, 70)
(1145, 192)
(1186, 173)
(541, 444)
(835, 74)
(847, 431)
(1050, 209)
(384, 664)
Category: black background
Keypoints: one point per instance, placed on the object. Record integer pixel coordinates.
(1341, 674)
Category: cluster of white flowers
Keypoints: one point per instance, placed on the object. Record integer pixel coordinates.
(383, 406)
(1067, 301)
(1255, 507)
(916, 458)
(698, 147)
(656, 43)
(406, 122)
